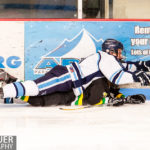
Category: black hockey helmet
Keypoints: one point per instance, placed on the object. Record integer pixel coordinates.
(112, 46)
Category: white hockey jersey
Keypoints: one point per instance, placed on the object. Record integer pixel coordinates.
(99, 65)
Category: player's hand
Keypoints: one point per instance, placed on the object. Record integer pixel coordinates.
(135, 99)
(142, 77)
(147, 63)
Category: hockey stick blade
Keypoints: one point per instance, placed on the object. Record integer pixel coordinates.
(82, 107)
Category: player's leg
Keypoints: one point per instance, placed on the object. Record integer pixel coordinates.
(56, 80)
(58, 98)
(96, 91)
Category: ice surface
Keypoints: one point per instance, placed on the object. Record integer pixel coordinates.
(98, 128)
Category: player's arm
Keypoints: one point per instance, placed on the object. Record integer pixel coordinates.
(138, 65)
(130, 66)
(117, 74)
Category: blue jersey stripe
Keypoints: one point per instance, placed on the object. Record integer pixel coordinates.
(113, 75)
(118, 80)
(55, 81)
(116, 77)
(130, 66)
(20, 89)
(79, 76)
(77, 71)
(74, 74)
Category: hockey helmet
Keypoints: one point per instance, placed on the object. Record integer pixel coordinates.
(112, 46)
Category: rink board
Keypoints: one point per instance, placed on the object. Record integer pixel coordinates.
(133, 91)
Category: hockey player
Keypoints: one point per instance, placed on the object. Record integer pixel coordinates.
(93, 95)
(79, 78)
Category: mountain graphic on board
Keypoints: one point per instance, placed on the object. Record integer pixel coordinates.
(80, 46)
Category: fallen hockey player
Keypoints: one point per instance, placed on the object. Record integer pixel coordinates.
(86, 82)
(93, 95)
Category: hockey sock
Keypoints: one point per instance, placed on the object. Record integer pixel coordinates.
(78, 100)
(104, 100)
(24, 98)
(120, 95)
(18, 89)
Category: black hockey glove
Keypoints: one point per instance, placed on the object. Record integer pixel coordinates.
(135, 99)
(142, 77)
(143, 65)
(115, 101)
(146, 65)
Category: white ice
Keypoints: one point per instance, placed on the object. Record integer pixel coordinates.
(98, 128)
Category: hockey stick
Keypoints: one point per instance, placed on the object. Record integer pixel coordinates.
(83, 107)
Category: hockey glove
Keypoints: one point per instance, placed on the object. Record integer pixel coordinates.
(135, 99)
(142, 77)
(143, 65)
(146, 65)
